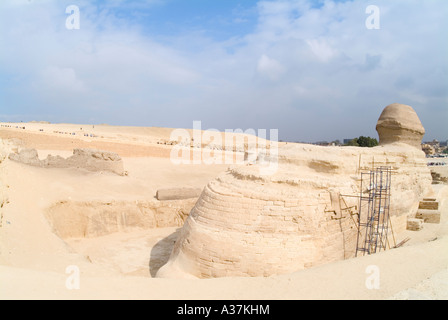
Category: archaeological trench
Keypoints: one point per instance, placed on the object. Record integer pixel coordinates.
(250, 222)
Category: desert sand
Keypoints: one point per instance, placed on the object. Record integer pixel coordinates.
(119, 258)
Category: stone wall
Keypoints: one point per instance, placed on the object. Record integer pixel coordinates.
(87, 219)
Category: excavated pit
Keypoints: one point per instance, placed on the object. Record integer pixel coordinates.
(89, 219)
(131, 237)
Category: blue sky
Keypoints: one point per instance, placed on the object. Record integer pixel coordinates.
(310, 69)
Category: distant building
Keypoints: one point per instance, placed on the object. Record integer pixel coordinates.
(435, 143)
(428, 149)
(346, 141)
(434, 147)
(322, 143)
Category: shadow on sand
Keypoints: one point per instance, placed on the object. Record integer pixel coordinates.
(161, 252)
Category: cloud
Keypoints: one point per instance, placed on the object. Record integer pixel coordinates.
(312, 70)
(321, 49)
(372, 62)
(63, 79)
(270, 68)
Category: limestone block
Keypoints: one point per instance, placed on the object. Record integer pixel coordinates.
(414, 224)
(429, 216)
(178, 193)
(429, 205)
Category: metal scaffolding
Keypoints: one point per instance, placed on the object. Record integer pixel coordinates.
(374, 220)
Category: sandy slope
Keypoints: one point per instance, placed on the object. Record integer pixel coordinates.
(33, 260)
(402, 271)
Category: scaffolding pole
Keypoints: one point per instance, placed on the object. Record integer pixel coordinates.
(374, 203)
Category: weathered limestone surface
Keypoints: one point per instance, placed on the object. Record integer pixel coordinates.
(26, 156)
(429, 205)
(428, 215)
(428, 210)
(248, 223)
(88, 159)
(178, 193)
(87, 219)
(400, 123)
(415, 224)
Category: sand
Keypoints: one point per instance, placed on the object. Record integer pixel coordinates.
(122, 265)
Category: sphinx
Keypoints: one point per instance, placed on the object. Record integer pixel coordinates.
(249, 224)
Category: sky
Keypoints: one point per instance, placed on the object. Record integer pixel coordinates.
(314, 70)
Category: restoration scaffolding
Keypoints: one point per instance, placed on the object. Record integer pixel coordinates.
(374, 219)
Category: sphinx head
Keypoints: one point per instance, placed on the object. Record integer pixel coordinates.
(400, 123)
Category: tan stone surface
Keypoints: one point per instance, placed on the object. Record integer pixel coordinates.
(415, 224)
(88, 159)
(428, 216)
(249, 224)
(400, 123)
(87, 219)
(178, 193)
(429, 205)
(33, 259)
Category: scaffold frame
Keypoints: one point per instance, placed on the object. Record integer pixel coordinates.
(374, 205)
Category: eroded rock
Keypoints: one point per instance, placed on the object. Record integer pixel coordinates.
(88, 159)
(250, 224)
